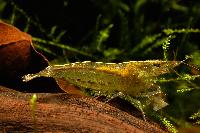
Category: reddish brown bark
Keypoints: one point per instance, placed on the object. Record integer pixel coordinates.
(65, 113)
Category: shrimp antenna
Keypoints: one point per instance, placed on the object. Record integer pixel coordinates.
(190, 65)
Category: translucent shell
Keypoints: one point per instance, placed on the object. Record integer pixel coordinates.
(133, 78)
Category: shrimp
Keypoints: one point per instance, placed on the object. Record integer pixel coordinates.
(127, 80)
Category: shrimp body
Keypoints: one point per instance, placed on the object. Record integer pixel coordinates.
(133, 78)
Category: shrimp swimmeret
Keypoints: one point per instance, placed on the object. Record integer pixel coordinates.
(128, 80)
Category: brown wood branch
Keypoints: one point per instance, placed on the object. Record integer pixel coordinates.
(65, 113)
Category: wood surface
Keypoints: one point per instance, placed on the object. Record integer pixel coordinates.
(65, 113)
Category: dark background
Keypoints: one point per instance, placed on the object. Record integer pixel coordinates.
(134, 24)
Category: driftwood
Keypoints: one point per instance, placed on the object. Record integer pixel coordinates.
(65, 113)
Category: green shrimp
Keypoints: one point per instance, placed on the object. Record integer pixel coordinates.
(127, 79)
